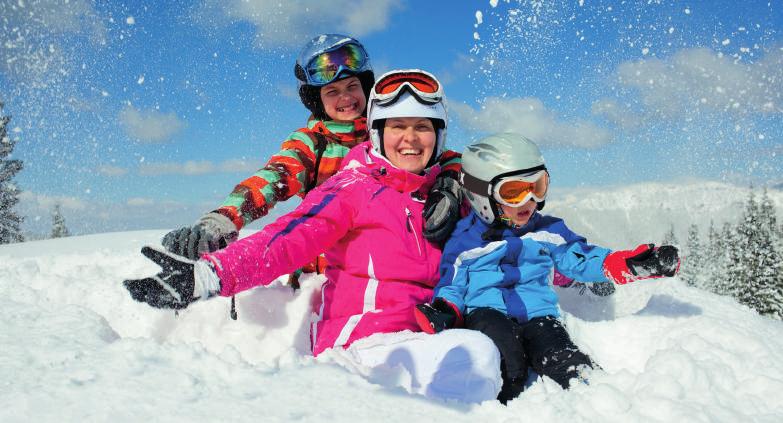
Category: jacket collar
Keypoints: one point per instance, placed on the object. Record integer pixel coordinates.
(498, 231)
(346, 132)
(365, 159)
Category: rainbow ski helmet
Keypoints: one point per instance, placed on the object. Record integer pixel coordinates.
(407, 93)
(491, 159)
(328, 58)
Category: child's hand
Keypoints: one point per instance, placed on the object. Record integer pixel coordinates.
(645, 262)
(438, 316)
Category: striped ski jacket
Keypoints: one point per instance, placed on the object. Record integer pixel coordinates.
(367, 218)
(307, 158)
(512, 270)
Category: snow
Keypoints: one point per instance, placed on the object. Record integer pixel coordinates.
(75, 347)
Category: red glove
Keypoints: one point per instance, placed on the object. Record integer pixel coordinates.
(645, 262)
(438, 316)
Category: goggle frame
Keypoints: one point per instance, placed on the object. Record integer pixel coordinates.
(405, 81)
(310, 70)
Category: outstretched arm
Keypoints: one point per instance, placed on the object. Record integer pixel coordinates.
(288, 173)
(324, 216)
(285, 175)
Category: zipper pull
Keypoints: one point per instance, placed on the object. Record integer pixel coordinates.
(408, 220)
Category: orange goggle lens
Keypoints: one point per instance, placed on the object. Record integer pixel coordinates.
(421, 82)
(514, 191)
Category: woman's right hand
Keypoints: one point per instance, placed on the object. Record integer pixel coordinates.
(180, 282)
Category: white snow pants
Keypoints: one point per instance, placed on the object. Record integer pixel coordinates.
(456, 364)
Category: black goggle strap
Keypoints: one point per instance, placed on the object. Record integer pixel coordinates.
(475, 185)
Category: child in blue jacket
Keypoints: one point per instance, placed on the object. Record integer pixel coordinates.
(497, 267)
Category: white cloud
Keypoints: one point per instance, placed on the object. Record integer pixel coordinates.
(109, 170)
(140, 202)
(528, 116)
(150, 125)
(43, 203)
(289, 23)
(239, 165)
(188, 168)
(203, 167)
(617, 114)
(460, 69)
(701, 79)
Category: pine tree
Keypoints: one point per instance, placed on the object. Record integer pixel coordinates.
(10, 222)
(727, 268)
(692, 265)
(756, 261)
(713, 260)
(59, 230)
(770, 269)
(669, 238)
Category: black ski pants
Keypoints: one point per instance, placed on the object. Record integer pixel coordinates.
(541, 343)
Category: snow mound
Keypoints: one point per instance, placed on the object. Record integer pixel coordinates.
(75, 347)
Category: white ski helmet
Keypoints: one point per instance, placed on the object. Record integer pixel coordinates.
(407, 100)
(490, 159)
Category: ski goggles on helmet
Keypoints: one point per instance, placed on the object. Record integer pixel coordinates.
(424, 86)
(511, 190)
(326, 67)
(514, 191)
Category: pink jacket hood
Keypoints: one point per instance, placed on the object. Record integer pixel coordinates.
(367, 219)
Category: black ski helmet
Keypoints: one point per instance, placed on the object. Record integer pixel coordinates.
(310, 90)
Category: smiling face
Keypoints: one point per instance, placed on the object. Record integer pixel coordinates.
(344, 99)
(519, 215)
(408, 142)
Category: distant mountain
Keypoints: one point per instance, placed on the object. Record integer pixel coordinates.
(625, 216)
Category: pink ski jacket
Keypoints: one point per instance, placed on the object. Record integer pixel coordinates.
(367, 218)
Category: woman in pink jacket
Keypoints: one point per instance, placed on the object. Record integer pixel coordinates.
(368, 220)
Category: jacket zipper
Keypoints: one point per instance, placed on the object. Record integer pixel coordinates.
(409, 225)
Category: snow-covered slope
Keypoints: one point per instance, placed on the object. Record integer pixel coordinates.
(75, 347)
(622, 217)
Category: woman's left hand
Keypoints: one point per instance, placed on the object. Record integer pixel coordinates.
(442, 209)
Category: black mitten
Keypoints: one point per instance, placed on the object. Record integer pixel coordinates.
(661, 261)
(644, 262)
(175, 286)
(436, 317)
(441, 210)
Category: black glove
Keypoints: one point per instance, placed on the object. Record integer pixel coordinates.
(176, 286)
(441, 210)
(436, 317)
(644, 262)
(210, 233)
(661, 261)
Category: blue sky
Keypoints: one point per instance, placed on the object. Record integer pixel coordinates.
(145, 114)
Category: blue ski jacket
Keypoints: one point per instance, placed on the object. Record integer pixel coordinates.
(511, 270)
